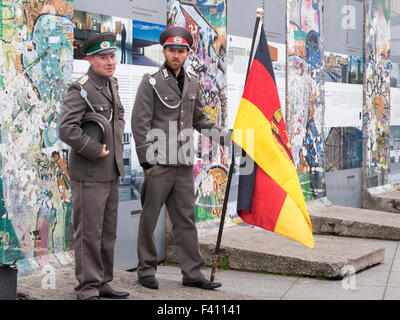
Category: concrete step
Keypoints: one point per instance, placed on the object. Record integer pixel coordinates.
(389, 200)
(382, 198)
(254, 249)
(354, 222)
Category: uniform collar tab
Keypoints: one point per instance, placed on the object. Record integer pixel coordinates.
(167, 71)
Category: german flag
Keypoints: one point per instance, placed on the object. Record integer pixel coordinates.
(270, 197)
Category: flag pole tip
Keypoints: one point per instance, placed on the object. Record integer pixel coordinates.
(260, 12)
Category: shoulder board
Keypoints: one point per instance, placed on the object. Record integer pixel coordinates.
(153, 73)
(83, 80)
(115, 78)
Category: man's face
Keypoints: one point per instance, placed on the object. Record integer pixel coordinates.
(103, 64)
(175, 57)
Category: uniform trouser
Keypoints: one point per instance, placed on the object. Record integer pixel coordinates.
(174, 186)
(95, 210)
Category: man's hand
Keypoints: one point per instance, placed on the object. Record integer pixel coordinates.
(148, 170)
(104, 153)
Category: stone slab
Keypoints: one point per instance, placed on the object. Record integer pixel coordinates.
(354, 222)
(254, 249)
(389, 200)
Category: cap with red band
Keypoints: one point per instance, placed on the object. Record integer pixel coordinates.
(176, 37)
(177, 41)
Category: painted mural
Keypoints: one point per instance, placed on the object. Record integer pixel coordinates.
(36, 60)
(206, 19)
(376, 118)
(305, 100)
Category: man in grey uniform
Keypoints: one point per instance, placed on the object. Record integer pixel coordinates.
(94, 167)
(166, 109)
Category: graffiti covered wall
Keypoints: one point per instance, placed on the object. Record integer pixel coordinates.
(36, 59)
(206, 20)
(376, 115)
(305, 99)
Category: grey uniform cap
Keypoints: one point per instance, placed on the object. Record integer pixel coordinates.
(96, 126)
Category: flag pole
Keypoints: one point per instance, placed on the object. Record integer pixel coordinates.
(260, 13)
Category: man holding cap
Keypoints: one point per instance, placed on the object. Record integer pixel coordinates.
(92, 124)
(168, 102)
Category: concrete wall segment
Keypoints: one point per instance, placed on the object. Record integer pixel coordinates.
(36, 67)
(376, 110)
(305, 93)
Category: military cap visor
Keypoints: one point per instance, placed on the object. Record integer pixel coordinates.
(176, 37)
(102, 43)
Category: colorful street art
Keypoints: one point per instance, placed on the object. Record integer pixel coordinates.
(376, 119)
(36, 60)
(305, 100)
(206, 20)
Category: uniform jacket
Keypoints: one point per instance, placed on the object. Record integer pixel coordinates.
(84, 161)
(171, 128)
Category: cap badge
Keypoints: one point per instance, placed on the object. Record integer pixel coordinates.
(105, 44)
(178, 40)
